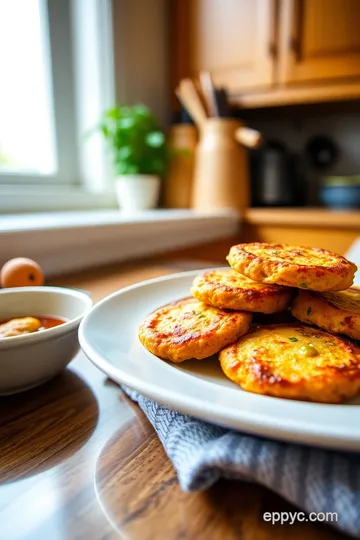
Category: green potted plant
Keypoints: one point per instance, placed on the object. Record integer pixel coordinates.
(139, 155)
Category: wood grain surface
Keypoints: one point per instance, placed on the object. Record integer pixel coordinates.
(322, 218)
(78, 460)
(323, 228)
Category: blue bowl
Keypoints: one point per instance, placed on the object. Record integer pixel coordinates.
(341, 196)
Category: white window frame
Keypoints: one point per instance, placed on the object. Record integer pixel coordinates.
(84, 179)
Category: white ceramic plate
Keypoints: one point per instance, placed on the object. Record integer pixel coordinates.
(108, 336)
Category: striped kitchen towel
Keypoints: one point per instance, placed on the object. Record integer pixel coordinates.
(313, 479)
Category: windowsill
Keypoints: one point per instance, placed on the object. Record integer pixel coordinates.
(37, 198)
(67, 241)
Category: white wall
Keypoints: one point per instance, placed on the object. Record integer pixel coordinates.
(141, 54)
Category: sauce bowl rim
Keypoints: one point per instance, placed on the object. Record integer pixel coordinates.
(48, 333)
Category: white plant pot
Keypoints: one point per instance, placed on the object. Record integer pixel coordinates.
(137, 191)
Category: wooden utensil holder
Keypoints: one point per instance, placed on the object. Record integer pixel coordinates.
(221, 175)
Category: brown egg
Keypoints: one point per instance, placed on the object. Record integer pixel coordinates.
(21, 272)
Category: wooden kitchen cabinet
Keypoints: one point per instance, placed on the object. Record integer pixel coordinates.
(318, 40)
(317, 227)
(234, 39)
(270, 52)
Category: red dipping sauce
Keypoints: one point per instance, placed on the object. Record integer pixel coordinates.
(47, 321)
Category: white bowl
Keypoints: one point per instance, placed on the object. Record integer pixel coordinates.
(31, 359)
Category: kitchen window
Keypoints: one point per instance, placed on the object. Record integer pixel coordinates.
(56, 58)
(27, 138)
(80, 52)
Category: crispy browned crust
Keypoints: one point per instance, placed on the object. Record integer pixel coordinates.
(311, 308)
(269, 363)
(294, 266)
(190, 329)
(227, 289)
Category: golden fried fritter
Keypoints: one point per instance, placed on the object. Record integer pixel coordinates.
(294, 361)
(228, 289)
(19, 326)
(190, 329)
(337, 312)
(295, 266)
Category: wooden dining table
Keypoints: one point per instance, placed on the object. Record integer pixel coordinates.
(79, 460)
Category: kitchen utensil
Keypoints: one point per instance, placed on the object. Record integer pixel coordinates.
(208, 91)
(222, 103)
(251, 138)
(216, 101)
(275, 176)
(190, 99)
(322, 152)
(221, 168)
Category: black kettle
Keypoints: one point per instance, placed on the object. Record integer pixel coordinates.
(276, 176)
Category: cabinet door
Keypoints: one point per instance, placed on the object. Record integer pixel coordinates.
(233, 39)
(319, 39)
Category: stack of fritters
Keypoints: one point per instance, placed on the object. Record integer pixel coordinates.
(291, 360)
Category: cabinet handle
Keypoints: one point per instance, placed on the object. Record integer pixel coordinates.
(294, 38)
(274, 14)
(272, 50)
(294, 46)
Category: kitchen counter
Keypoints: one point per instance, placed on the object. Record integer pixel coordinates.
(69, 241)
(299, 217)
(318, 227)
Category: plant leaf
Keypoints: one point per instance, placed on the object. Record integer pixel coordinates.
(124, 152)
(105, 130)
(134, 137)
(113, 113)
(132, 169)
(126, 123)
(126, 168)
(120, 167)
(141, 110)
(155, 139)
